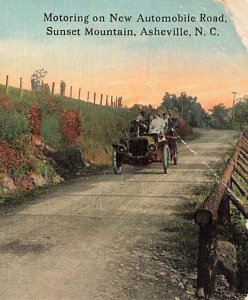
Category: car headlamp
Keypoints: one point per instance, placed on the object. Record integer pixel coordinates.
(152, 148)
(121, 149)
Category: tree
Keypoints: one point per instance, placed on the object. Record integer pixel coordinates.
(219, 117)
(240, 113)
(37, 79)
(186, 106)
(137, 108)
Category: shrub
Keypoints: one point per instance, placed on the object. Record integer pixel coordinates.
(71, 126)
(34, 117)
(10, 158)
(184, 129)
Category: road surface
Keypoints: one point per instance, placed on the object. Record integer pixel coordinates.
(95, 237)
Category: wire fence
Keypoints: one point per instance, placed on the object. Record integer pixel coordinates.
(93, 97)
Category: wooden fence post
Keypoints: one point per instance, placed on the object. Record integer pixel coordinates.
(53, 88)
(94, 99)
(101, 100)
(79, 93)
(120, 101)
(20, 89)
(71, 92)
(7, 85)
(116, 101)
(88, 97)
(111, 101)
(107, 100)
(205, 262)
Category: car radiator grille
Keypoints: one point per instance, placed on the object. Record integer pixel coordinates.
(138, 148)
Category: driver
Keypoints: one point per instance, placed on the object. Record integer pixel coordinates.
(137, 126)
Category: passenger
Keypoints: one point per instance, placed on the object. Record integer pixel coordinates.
(157, 125)
(166, 119)
(150, 117)
(172, 123)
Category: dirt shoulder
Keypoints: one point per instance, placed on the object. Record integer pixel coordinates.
(110, 237)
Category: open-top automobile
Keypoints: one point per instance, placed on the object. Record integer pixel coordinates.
(141, 150)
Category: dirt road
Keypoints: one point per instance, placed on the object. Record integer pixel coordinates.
(104, 236)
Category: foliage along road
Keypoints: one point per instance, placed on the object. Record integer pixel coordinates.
(105, 236)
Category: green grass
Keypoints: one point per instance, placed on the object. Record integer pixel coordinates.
(12, 124)
(183, 253)
(50, 130)
(101, 126)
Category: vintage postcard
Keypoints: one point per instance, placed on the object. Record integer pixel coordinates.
(123, 149)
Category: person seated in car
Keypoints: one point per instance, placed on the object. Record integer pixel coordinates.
(157, 125)
(144, 126)
(137, 126)
(172, 123)
(142, 113)
(166, 120)
(148, 121)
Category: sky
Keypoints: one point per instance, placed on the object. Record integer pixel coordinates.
(141, 68)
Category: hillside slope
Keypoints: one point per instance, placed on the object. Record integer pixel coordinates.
(40, 142)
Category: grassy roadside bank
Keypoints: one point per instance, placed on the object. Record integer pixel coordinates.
(100, 125)
(45, 140)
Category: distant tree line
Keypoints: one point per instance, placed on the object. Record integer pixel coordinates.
(189, 109)
(228, 118)
(218, 117)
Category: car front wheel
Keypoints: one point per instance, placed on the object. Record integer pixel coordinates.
(116, 162)
(166, 158)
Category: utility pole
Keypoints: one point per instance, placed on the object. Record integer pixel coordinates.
(234, 99)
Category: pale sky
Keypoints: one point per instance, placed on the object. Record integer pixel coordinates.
(140, 68)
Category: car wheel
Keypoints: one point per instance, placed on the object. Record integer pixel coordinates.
(116, 163)
(175, 156)
(166, 158)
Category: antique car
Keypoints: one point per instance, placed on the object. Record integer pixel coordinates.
(141, 150)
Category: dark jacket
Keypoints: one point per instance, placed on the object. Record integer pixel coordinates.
(137, 127)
